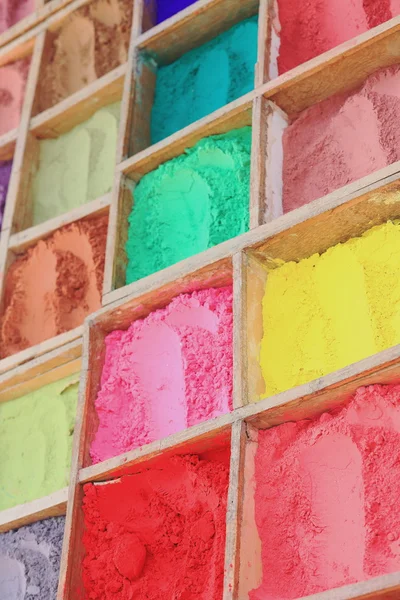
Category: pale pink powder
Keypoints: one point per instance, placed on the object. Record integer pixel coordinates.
(167, 372)
(342, 139)
(326, 497)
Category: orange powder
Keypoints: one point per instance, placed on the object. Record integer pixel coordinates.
(53, 286)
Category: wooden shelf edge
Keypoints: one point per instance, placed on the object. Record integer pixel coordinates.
(53, 505)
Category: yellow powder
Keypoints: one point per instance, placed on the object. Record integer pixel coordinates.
(331, 310)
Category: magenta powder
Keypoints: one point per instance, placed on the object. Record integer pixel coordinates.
(342, 139)
(167, 372)
(326, 497)
(5, 173)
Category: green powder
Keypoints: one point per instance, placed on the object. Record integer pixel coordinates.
(190, 203)
(204, 79)
(76, 167)
(36, 441)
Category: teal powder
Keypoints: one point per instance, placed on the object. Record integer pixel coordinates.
(204, 79)
(190, 203)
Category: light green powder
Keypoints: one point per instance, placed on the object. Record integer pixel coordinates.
(36, 442)
(190, 203)
(76, 167)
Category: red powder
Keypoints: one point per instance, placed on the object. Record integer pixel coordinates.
(159, 534)
(327, 496)
(310, 28)
(342, 139)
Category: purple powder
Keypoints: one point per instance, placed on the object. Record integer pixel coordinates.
(5, 172)
(167, 8)
(30, 560)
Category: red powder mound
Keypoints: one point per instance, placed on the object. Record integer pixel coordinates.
(342, 139)
(54, 285)
(159, 534)
(307, 29)
(326, 497)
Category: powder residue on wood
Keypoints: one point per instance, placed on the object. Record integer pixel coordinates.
(158, 534)
(342, 139)
(76, 167)
(30, 560)
(12, 11)
(36, 442)
(331, 310)
(307, 29)
(13, 79)
(167, 372)
(326, 496)
(5, 173)
(204, 79)
(190, 203)
(90, 42)
(54, 285)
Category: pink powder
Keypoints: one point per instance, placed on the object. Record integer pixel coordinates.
(326, 497)
(309, 28)
(342, 139)
(167, 372)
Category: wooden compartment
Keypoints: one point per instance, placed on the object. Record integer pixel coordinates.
(204, 444)
(311, 229)
(310, 403)
(120, 316)
(17, 382)
(164, 44)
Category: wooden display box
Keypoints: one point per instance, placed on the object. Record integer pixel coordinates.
(204, 444)
(332, 394)
(22, 380)
(120, 316)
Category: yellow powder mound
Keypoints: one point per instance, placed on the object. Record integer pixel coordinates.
(331, 310)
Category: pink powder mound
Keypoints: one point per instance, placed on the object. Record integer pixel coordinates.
(167, 372)
(326, 497)
(310, 28)
(342, 139)
(12, 11)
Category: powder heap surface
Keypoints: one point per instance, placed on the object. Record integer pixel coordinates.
(92, 41)
(76, 167)
(331, 310)
(5, 173)
(54, 285)
(12, 90)
(326, 497)
(168, 8)
(342, 139)
(204, 79)
(30, 560)
(190, 203)
(307, 29)
(12, 11)
(167, 372)
(159, 534)
(36, 441)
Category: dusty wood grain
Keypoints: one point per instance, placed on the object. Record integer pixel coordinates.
(53, 505)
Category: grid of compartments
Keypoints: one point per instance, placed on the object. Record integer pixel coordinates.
(264, 454)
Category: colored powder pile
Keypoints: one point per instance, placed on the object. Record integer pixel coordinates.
(326, 497)
(159, 534)
(92, 41)
(5, 174)
(76, 167)
(342, 139)
(307, 29)
(36, 442)
(167, 372)
(204, 79)
(190, 203)
(54, 285)
(331, 310)
(12, 91)
(12, 11)
(168, 8)
(30, 560)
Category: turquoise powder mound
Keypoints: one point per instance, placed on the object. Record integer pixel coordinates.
(190, 203)
(204, 79)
